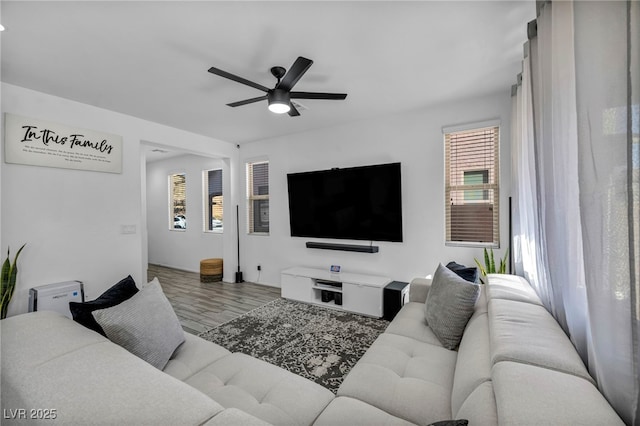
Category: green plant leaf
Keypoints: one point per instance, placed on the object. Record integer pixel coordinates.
(492, 265)
(4, 276)
(480, 267)
(503, 263)
(487, 263)
(8, 276)
(15, 259)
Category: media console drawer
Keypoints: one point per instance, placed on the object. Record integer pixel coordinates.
(362, 299)
(296, 287)
(357, 293)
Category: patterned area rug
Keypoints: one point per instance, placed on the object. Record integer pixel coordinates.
(314, 342)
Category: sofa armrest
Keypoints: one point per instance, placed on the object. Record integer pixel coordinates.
(418, 289)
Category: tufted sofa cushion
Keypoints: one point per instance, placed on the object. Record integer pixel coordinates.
(262, 390)
(352, 412)
(192, 356)
(410, 322)
(235, 417)
(404, 377)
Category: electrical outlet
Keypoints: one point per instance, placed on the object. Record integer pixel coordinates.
(259, 268)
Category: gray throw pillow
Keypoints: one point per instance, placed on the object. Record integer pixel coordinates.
(145, 325)
(450, 303)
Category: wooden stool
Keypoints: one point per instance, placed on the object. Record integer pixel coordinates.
(210, 270)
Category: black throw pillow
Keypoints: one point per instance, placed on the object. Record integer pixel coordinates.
(117, 294)
(467, 273)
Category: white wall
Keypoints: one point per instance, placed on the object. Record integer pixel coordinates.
(415, 139)
(181, 249)
(71, 220)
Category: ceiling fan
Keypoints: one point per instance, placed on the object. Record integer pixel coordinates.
(279, 98)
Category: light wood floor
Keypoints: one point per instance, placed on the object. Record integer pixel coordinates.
(203, 306)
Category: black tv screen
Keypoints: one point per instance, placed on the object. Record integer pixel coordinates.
(357, 203)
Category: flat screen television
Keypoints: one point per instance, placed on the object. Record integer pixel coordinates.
(357, 203)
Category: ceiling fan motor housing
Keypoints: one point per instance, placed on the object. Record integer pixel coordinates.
(278, 96)
(279, 100)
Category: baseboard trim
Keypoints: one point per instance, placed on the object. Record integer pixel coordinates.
(177, 268)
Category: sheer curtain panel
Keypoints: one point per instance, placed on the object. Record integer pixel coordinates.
(607, 84)
(528, 254)
(576, 161)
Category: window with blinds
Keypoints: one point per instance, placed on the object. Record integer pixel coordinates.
(258, 197)
(471, 187)
(178, 201)
(213, 200)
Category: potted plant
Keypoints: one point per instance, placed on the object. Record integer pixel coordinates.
(489, 266)
(8, 276)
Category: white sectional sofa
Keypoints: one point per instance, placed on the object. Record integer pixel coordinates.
(50, 362)
(514, 366)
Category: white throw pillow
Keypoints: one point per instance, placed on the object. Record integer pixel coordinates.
(145, 325)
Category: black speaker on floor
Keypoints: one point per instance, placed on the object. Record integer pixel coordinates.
(395, 295)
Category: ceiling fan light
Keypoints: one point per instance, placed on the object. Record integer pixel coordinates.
(278, 101)
(279, 107)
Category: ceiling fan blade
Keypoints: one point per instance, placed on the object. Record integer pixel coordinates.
(317, 95)
(297, 70)
(247, 101)
(221, 73)
(293, 112)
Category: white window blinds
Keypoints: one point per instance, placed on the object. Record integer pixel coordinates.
(471, 186)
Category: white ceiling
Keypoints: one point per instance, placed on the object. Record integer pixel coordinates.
(149, 59)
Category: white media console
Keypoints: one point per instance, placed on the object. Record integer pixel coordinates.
(357, 293)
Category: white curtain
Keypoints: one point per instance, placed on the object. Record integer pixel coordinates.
(557, 159)
(576, 219)
(607, 88)
(527, 252)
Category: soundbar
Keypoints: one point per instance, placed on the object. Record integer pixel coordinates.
(343, 247)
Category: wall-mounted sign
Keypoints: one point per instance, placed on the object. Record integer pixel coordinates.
(41, 143)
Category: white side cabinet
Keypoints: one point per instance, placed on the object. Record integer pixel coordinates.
(357, 293)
